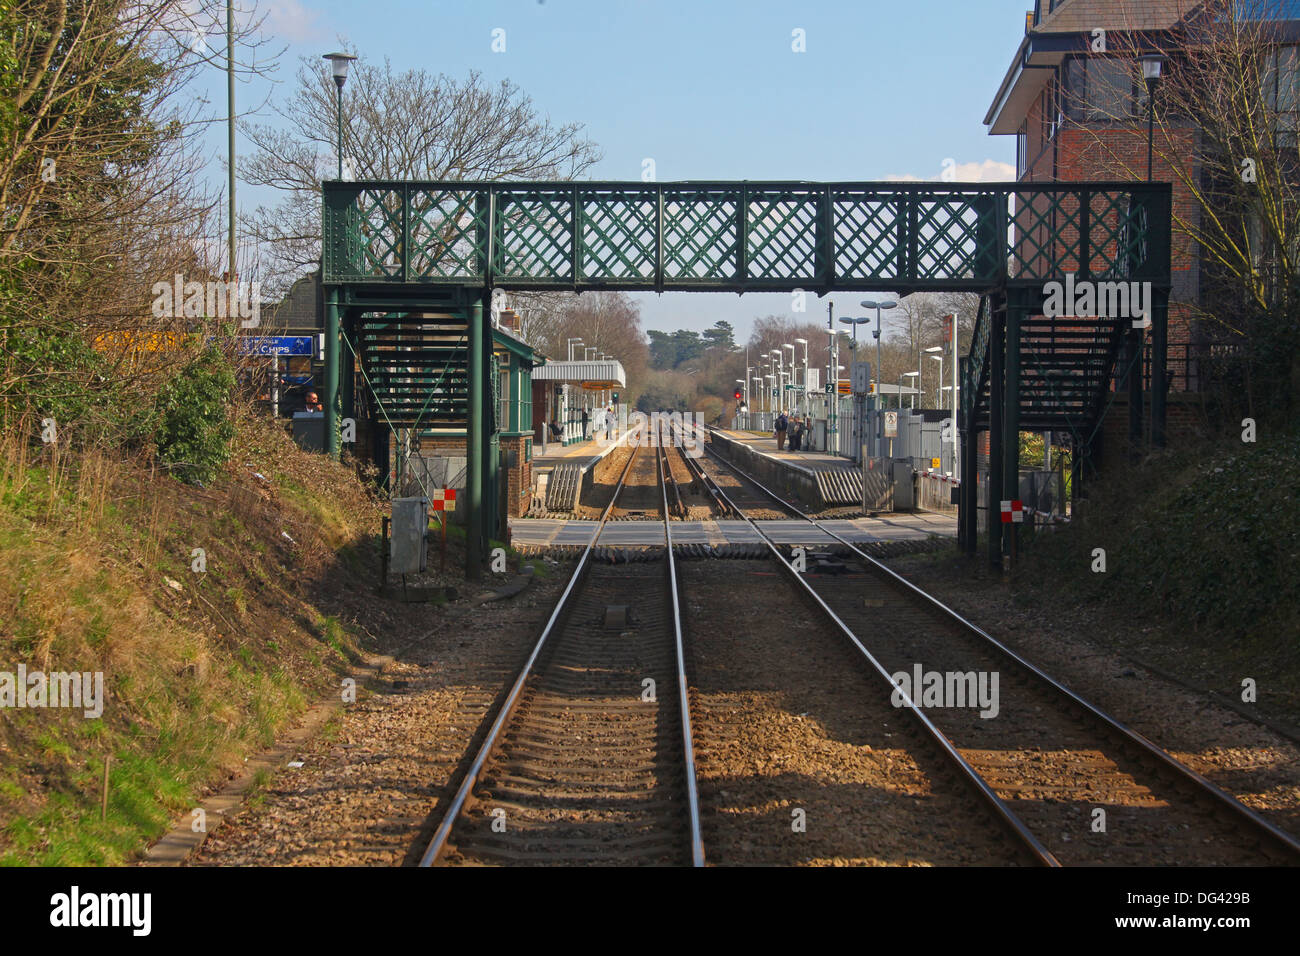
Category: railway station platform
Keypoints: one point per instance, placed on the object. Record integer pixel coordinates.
(561, 472)
(559, 532)
(817, 479)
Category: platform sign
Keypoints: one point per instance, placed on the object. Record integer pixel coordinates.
(276, 345)
(891, 424)
(443, 499)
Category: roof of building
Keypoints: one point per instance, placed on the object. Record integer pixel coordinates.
(610, 370)
(518, 347)
(1084, 16)
(1067, 28)
(300, 308)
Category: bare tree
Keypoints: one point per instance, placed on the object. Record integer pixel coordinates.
(396, 125)
(100, 188)
(1227, 121)
(608, 321)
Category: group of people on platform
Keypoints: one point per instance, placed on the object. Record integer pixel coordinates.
(604, 420)
(794, 427)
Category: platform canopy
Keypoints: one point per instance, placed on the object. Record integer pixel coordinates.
(600, 374)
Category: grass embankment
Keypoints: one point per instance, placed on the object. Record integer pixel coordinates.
(201, 665)
(1203, 545)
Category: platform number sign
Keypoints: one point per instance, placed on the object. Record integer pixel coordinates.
(1013, 511)
(444, 499)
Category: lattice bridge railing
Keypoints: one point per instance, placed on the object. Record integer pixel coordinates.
(743, 236)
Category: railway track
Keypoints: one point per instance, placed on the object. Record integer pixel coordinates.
(1049, 760)
(589, 759)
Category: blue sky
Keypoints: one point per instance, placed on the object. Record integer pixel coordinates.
(709, 89)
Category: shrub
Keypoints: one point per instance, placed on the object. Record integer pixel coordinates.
(194, 427)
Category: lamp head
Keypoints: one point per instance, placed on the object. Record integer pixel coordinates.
(1152, 66)
(339, 63)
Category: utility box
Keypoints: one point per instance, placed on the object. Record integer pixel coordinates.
(904, 492)
(309, 430)
(409, 550)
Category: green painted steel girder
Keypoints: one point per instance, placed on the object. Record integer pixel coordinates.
(741, 236)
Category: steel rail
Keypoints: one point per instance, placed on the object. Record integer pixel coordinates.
(1014, 824)
(1113, 724)
(683, 698)
(439, 842)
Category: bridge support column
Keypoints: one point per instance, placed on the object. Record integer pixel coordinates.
(1134, 366)
(348, 370)
(1159, 360)
(331, 396)
(997, 407)
(491, 452)
(475, 457)
(969, 497)
(1010, 426)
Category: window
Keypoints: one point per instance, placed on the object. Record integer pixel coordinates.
(1102, 89)
(503, 396)
(1281, 92)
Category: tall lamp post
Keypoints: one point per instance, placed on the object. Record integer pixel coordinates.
(883, 304)
(1152, 64)
(339, 63)
(777, 367)
(804, 342)
(915, 375)
(936, 352)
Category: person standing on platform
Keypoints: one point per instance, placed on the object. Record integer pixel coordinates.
(782, 423)
(796, 434)
(586, 418)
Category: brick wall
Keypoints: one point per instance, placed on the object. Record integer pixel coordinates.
(519, 478)
(1184, 420)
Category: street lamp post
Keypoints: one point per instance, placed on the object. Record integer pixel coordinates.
(880, 426)
(339, 63)
(936, 353)
(857, 401)
(806, 396)
(571, 343)
(916, 388)
(777, 366)
(1152, 65)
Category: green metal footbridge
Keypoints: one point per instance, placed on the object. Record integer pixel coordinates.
(396, 252)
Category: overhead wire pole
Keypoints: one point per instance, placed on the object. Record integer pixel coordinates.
(230, 96)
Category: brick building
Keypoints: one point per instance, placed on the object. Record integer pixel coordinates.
(1074, 98)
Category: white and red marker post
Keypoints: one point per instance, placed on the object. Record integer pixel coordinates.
(443, 500)
(1013, 512)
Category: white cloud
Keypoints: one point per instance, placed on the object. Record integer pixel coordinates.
(289, 20)
(989, 171)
